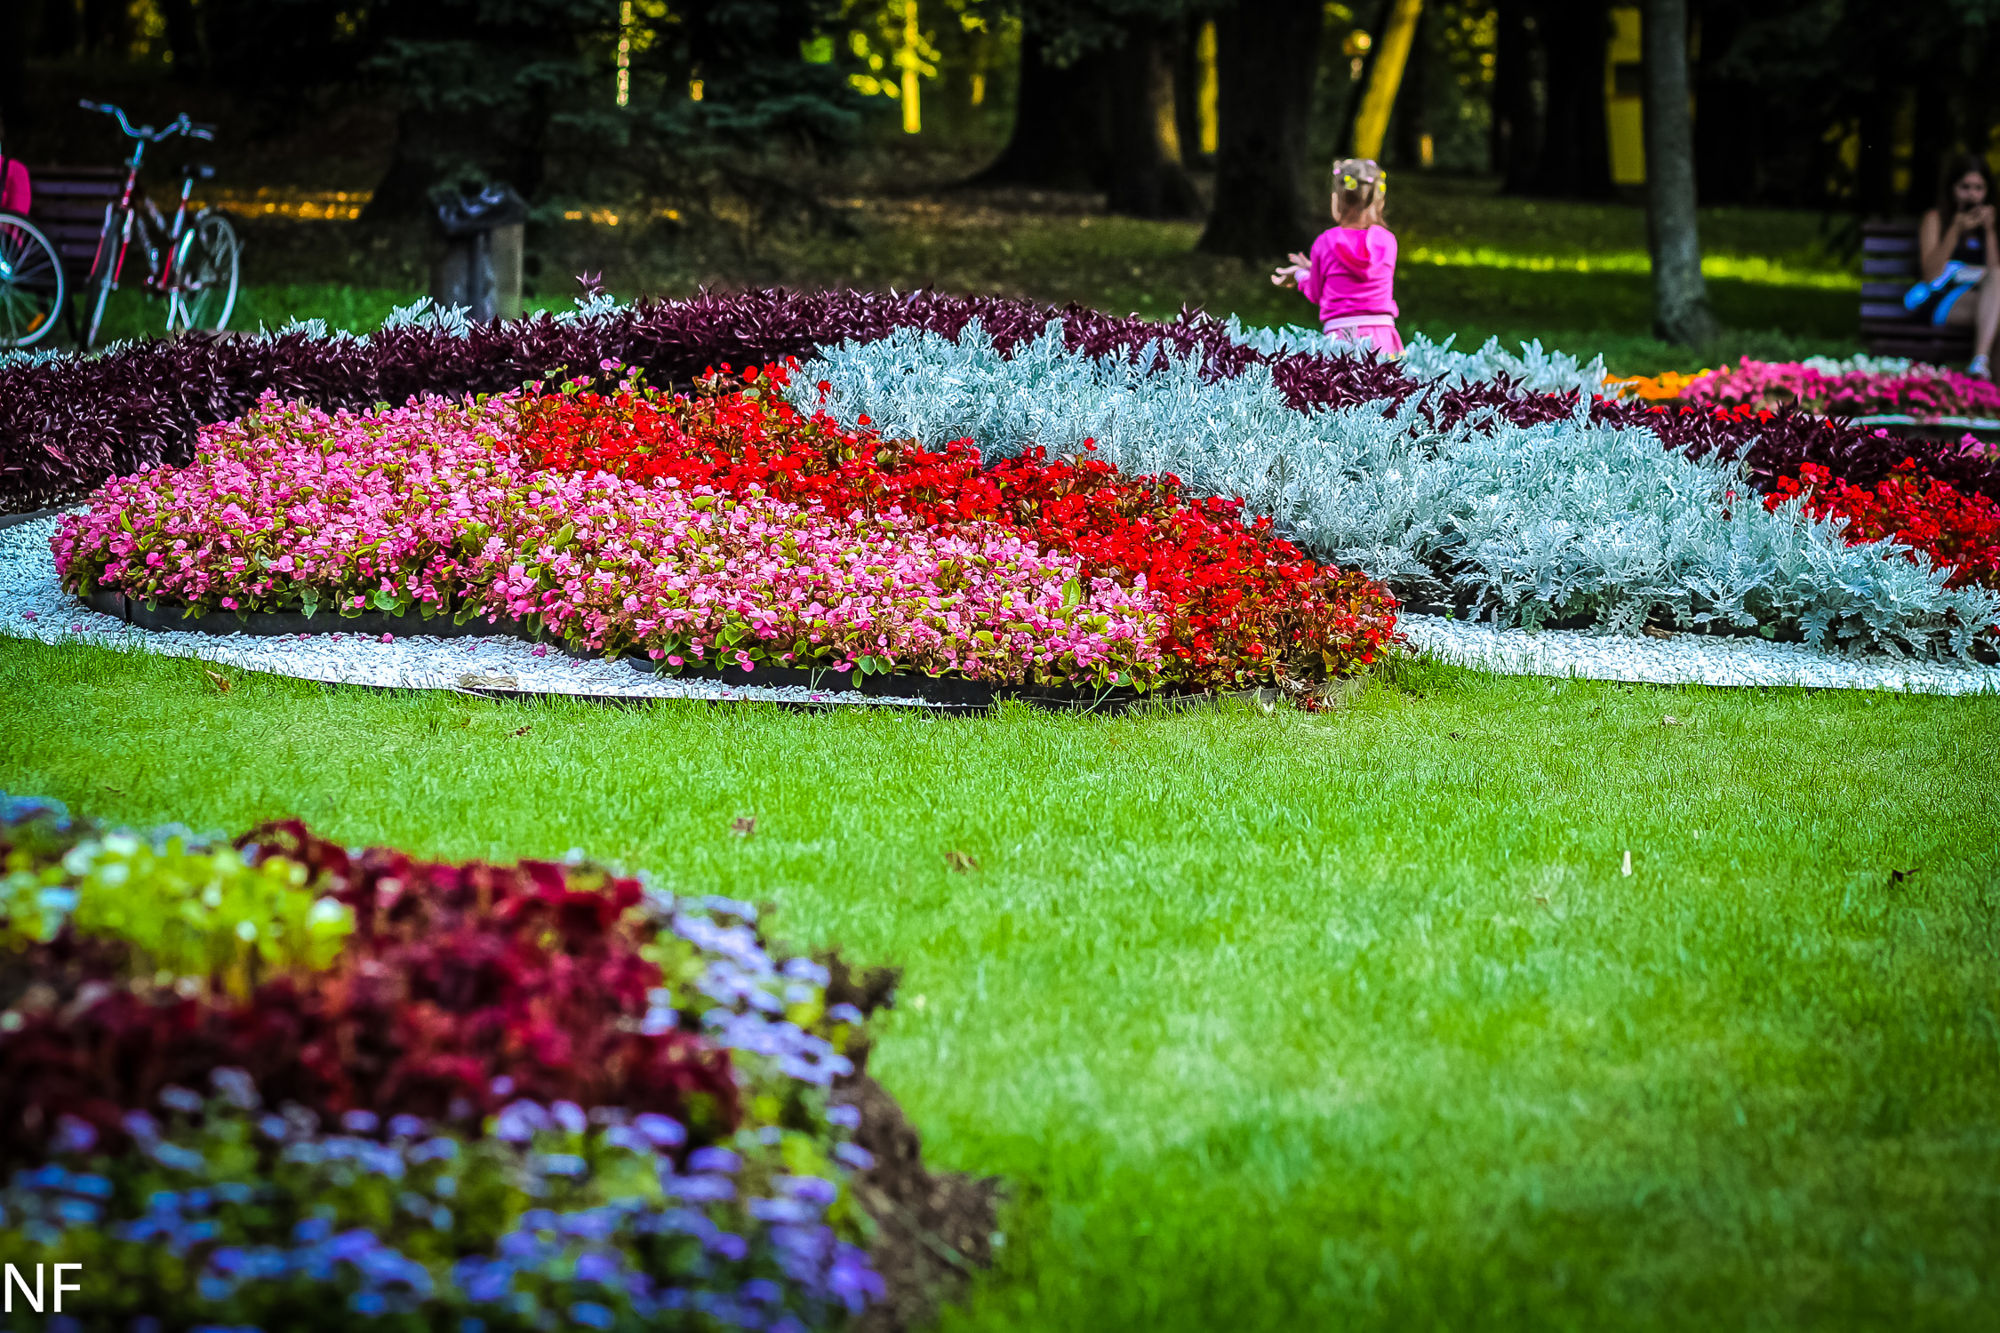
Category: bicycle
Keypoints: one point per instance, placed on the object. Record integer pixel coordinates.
(31, 272)
(194, 264)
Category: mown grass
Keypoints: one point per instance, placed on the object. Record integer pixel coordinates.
(1475, 265)
(1342, 1021)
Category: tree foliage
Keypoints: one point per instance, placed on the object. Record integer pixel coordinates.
(525, 90)
(1800, 101)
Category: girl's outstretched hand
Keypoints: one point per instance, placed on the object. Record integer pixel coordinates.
(1289, 275)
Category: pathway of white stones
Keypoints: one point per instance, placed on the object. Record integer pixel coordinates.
(33, 605)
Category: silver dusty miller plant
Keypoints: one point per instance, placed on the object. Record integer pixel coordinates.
(1522, 525)
(1534, 369)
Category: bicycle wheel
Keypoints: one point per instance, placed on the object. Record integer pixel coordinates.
(31, 283)
(205, 273)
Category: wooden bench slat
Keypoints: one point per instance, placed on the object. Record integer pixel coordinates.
(73, 221)
(1889, 251)
(1889, 328)
(69, 204)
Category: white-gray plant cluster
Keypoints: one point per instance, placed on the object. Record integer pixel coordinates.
(454, 321)
(32, 356)
(1870, 365)
(1525, 525)
(1533, 369)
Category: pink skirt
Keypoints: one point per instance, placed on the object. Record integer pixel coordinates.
(1376, 330)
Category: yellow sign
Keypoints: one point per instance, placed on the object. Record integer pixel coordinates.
(1624, 98)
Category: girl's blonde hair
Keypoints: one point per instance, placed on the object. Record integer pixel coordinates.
(1359, 183)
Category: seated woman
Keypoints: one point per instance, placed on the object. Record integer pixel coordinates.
(1956, 249)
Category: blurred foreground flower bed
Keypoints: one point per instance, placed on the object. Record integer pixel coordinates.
(274, 1082)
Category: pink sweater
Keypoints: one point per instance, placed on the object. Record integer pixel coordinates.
(1353, 273)
(15, 195)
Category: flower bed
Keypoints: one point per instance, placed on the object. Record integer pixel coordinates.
(1860, 387)
(1533, 524)
(726, 529)
(1959, 533)
(1293, 378)
(1237, 604)
(276, 1083)
(68, 423)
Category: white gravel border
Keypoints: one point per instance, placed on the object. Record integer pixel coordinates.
(34, 606)
(1684, 659)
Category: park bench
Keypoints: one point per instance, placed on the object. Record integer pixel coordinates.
(69, 204)
(1889, 266)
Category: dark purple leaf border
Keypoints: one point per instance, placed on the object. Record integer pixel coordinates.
(68, 423)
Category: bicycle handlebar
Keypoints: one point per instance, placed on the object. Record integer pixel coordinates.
(180, 125)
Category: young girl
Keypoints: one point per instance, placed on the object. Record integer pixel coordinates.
(1351, 271)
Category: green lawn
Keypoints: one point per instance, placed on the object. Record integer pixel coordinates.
(1345, 1021)
(1475, 264)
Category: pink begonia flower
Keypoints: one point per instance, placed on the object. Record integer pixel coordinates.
(430, 502)
(1924, 392)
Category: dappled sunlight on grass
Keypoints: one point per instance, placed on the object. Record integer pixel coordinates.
(1475, 264)
(1744, 268)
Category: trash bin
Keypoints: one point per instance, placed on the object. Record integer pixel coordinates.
(480, 267)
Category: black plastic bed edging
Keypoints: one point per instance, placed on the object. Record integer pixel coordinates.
(269, 624)
(950, 691)
(945, 693)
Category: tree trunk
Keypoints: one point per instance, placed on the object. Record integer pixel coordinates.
(1267, 57)
(1058, 139)
(1391, 52)
(1411, 122)
(1680, 294)
(1575, 161)
(1145, 178)
(1516, 140)
(1357, 92)
(1192, 67)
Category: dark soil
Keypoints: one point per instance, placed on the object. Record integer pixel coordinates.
(933, 1230)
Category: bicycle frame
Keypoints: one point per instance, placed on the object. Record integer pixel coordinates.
(126, 218)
